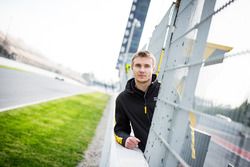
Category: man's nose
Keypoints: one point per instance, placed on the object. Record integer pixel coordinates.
(142, 69)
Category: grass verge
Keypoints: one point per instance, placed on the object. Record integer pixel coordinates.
(12, 68)
(55, 133)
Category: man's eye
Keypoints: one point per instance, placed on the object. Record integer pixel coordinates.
(147, 66)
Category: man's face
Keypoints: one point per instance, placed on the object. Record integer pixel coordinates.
(143, 68)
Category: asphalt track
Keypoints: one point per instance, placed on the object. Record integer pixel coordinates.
(19, 88)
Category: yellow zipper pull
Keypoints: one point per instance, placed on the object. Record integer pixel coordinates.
(145, 109)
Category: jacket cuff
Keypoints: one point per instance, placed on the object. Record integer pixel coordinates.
(124, 140)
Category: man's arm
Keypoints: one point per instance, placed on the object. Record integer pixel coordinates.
(122, 127)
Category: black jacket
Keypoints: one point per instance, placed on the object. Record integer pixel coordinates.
(135, 107)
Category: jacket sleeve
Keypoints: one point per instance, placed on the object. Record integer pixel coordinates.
(122, 127)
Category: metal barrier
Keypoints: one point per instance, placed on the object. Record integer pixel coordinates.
(180, 135)
(187, 130)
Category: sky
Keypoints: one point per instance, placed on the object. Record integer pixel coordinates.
(83, 35)
(86, 35)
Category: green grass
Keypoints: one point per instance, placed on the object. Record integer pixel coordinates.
(12, 68)
(55, 133)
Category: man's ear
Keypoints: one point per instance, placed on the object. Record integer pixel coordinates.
(154, 68)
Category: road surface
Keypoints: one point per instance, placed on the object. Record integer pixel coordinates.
(19, 87)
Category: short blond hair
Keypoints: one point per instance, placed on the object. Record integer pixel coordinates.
(144, 53)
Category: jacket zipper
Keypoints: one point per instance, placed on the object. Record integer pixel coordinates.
(145, 106)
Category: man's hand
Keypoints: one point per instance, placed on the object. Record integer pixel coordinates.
(132, 142)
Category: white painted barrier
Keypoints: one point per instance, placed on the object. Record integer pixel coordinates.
(115, 155)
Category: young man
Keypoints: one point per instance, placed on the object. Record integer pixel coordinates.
(135, 105)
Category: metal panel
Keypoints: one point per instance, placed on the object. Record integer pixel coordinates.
(161, 38)
(202, 141)
(167, 133)
(157, 40)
